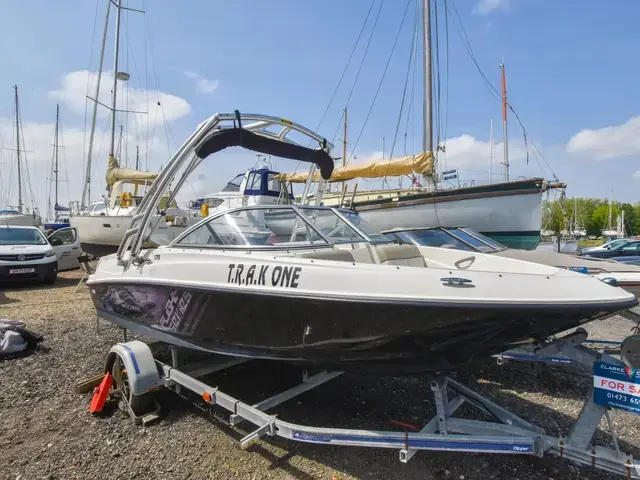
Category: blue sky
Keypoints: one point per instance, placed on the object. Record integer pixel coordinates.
(569, 64)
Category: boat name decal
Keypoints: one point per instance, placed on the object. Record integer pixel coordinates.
(279, 276)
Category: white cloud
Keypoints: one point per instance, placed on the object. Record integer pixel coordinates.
(73, 91)
(608, 142)
(203, 85)
(484, 7)
(467, 151)
(636, 175)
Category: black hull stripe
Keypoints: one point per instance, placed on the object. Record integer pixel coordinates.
(610, 306)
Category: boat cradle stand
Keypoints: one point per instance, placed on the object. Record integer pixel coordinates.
(508, 434)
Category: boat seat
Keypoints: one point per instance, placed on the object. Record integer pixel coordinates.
(333, 255)
(403, 255)
(362, 255)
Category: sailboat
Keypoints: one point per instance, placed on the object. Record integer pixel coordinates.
(60, 216)
(619, 230)
(18, 216)
(102, 224)
(509, 212)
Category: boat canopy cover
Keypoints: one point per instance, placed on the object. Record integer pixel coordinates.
(130, 175)
(240, 137)
(8, 212)
(422, 163)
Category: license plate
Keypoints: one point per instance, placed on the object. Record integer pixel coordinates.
(14, 271)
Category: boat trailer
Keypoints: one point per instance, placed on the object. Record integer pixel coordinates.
(133, 374)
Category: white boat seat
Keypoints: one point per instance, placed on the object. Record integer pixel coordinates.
(334, 255)
(403, 255)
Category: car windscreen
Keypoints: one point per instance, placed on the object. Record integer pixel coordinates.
(21, 236)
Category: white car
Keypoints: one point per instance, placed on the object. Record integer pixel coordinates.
(26, 254)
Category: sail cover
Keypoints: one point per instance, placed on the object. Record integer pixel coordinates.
(130, 175)
(421, 163)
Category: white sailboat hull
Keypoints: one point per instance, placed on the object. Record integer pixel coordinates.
(510, 219)
(101, 235)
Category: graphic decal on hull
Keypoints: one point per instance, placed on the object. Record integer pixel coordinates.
(279, 276)
(177, 311)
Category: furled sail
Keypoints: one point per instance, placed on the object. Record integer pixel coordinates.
(129, 175)
(421, 163)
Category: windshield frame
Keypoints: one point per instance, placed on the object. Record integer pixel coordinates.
(326, 241)
(41, 235)
(496, 246)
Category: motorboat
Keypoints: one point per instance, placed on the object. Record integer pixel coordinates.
(330, 291)
(625, 275)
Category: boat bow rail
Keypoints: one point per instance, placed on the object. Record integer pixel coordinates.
(263, 133)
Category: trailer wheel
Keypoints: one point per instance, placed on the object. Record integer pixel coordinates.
(139, 405)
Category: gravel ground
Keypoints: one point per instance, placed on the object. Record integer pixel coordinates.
(46, 430)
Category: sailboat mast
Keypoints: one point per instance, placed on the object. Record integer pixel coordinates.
(344, 139)
(15, 87)
(427, 114)
(86, 191)
(504, 121)
(55, 146)
(491, 150)
(115, 77)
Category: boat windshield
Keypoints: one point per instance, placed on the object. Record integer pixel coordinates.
(21, 236)
(471, 240)
(369, 231)
(483, 238)
(431, 237)
(234, 185)
(281, 226)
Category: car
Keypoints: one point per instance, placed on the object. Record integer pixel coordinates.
(27, 254)
(605, 246)
(629, 248)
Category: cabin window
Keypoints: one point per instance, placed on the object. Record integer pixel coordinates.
(234, 185)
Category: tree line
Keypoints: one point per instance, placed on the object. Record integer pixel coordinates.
(593, 215)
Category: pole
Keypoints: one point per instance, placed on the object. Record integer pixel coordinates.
(344, 139)
(55, 146)
(504, 121)
(137, 157)
(86, 192)
(491, 150)
(427, 117)
(15, 87)
(115, 78)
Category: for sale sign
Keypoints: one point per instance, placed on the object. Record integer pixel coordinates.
(617, 387)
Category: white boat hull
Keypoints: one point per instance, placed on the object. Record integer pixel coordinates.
(101, 235)
(23, 220)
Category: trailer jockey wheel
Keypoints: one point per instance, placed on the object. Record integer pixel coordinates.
(135, 405)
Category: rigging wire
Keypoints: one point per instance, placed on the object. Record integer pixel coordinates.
(384, 73)
(346, 67)
(86, 97)
(355, 81)
(412, 53)
(490, 86)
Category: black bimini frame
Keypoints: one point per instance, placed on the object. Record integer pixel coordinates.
(259, 133)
